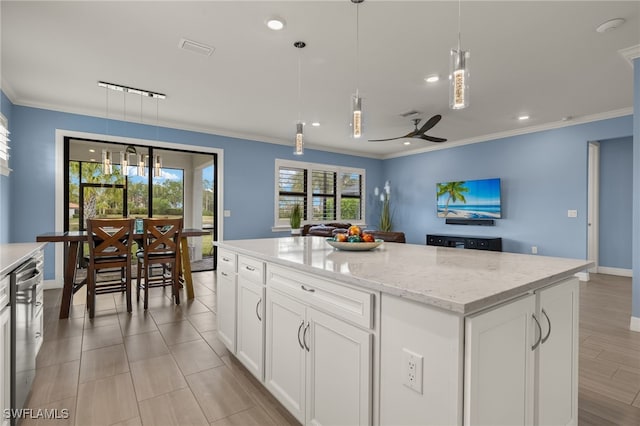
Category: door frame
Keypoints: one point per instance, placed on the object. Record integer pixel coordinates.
(593, 204)
(59, 165)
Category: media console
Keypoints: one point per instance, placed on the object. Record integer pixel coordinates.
(465, 241)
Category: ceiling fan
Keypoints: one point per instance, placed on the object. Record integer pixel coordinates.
(419, 133)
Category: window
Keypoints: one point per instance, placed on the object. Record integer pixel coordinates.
(326, 193)
(4, 146)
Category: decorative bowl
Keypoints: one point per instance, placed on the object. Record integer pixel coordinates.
(354, 246)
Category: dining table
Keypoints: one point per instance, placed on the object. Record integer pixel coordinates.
(72, 240)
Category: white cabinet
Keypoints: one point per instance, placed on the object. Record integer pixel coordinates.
(521, 360)
(226, 299)
(250, 315)
(317, 365)
(5, 364)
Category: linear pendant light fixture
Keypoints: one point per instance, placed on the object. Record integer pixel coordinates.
(356, 100)
(459, 74)
(299, 145)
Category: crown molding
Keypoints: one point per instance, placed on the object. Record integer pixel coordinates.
(630, 53)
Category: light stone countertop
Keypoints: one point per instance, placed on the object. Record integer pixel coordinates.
(12, 255)
(458, 280)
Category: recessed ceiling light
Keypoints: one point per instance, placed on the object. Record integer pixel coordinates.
(275, 23)
(315, 124)
(92, 150)
(609, 25)
(92, 159)
(407, 143)
(432, 78)
(523, 117)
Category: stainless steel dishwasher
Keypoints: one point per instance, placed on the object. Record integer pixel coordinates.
(26, 333)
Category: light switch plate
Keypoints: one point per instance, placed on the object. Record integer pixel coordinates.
(572, 213)
(227, 213)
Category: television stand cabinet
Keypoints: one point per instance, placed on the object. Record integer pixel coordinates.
(465, 241)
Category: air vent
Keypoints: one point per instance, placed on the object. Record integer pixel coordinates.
(409, 113)
(195, 47)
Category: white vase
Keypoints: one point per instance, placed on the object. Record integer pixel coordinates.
(295, 232)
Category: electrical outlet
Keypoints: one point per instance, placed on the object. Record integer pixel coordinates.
(534, 250)
(412, 370)
(572, 213)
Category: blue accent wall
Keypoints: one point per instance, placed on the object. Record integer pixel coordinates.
(616, 189)
(249, 172)
(543, 175)
(635, 310)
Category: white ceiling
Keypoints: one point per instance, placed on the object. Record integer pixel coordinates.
(542, 58)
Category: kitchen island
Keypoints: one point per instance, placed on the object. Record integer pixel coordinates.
(403, 334)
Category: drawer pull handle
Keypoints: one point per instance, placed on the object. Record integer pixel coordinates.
(38, 304)
(304, 337)
(310, 290)
(250, 268)
(300, 328)
(257, 312)
(226, 259)
(535, 345)
(38, 334)
(224, 274)
(544, 339)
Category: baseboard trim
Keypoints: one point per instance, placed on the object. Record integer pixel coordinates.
(582, 276)
(635, 324)
(621, 272)
(51, 284)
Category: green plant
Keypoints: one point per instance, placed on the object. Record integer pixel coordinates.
(385, 214)
(296, 216)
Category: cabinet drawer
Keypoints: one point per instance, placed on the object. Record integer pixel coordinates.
(251, 269)
(332, 297)
(226, 260)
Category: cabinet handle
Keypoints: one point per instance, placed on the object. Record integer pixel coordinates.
(224, 274)
(535, 345)
(300, 328)
(226, 259)
(38, 334)
(38, 304)
(257, 313)
(250, 268)
(310, 290)
(544, 339)
(304, 337)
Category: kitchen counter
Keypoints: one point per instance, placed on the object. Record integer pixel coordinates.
(461, 281)
(12, 255)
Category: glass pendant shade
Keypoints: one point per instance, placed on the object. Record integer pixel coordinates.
(299, 148)
(124, 163)
(157, 166)
(141, 166)
(459, 79)
(107, 162)
(356, 116)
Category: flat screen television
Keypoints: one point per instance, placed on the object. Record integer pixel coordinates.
(471, 199)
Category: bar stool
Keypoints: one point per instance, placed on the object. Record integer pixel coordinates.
(109, 248)
(160, 246)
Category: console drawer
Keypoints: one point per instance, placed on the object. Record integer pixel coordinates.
(226, 260)
(251, 269)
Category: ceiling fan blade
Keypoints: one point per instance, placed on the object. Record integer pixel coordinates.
(429, 124)
(432, 138)
(383, 140)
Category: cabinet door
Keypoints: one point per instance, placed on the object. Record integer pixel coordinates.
(5, 365)
(285, 355)
(250, 338)
(338, 372)
(557, 356)
(499, 365)
(226, 283)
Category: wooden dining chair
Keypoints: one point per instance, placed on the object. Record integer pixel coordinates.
(160, 249)
(109, 248)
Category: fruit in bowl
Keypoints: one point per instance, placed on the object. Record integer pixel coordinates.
(354, 230)
(341, 238)
(368, 238)
(355, 239)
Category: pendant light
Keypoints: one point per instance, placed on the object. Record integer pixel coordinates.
(459, 74)
(157, 159)
(107, 161)
(299, 144)
(356, 100)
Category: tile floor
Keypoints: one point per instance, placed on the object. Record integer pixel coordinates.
(165, 366)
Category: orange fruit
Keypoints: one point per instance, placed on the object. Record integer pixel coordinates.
(354, 230)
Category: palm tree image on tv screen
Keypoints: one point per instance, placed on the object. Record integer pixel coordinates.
(473, 199)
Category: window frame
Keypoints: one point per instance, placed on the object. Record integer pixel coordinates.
(283, 224)
(5, 170)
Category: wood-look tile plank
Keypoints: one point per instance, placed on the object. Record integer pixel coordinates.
(610, 410)
(55, 329)
(167, 314)
(60, 413)
(176, 408)
(195, 356)
(178, 332)
(192, 307)
(145, 345)
(255, 416)
(211, 337)
(59, 351)
(103, 362)
(135, 421)
(100, 337)
(131, 324)
(106, 401)
(218, 393)
(54, 383)
(101, 319)
(156, 376)
(205, 321)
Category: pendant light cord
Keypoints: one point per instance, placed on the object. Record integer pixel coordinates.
(299, 84)
(357, 48)
(459, 23)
